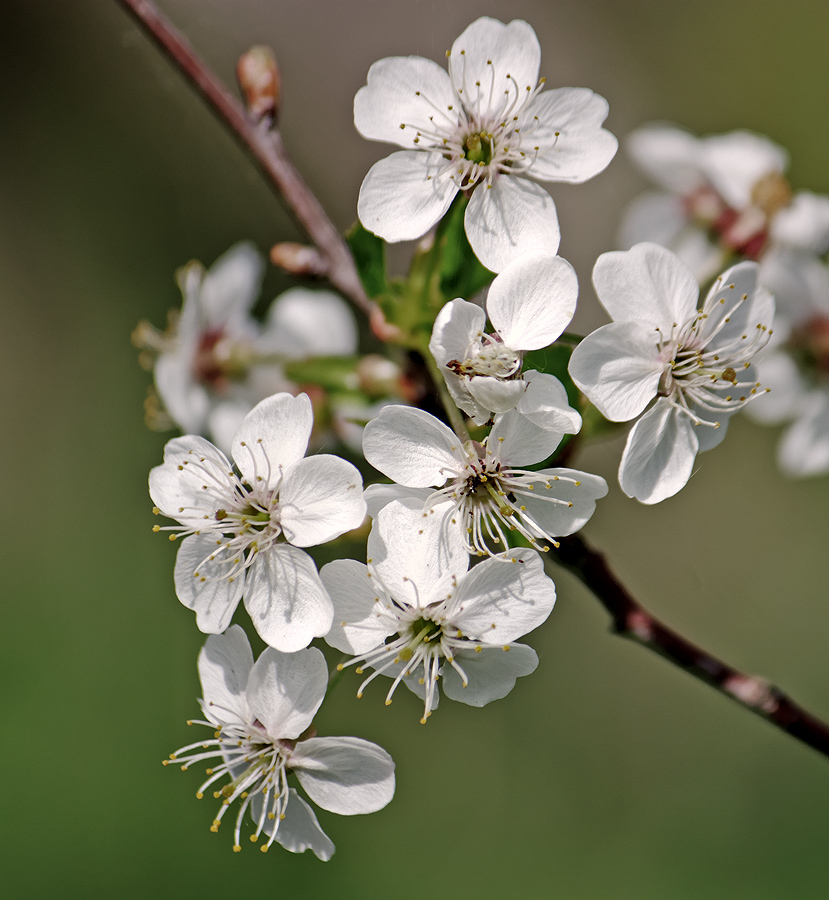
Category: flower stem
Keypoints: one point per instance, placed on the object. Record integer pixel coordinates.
(266, 147)
(633, 621)
(454, 415)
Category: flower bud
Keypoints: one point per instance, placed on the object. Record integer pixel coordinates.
(298, 259)
(258, 76)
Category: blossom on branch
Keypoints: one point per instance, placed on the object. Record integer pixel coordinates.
(694, 362)
(485, 128)
(216, 362)
(420, 616)
(479, 490)
(529, 304)
(262, 717)
(246, 524)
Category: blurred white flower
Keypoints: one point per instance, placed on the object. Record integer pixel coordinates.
(479, 490)
(693, 362)
(484, 127)
(262, 716)
(721, 195)
(529, 304)
(245, 529)
(216, 362)
(420, 616)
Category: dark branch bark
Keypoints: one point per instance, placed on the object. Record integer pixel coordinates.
(265, 146)
(633, 621)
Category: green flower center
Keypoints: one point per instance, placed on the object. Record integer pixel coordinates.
(477, 148)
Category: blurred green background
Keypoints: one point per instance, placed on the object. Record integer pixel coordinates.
(607, 774)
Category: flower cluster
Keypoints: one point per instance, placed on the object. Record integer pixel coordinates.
(476, 503)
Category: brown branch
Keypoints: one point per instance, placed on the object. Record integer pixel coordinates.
(633, 621)
(265, 146)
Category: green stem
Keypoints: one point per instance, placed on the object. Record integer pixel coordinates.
(454, 415)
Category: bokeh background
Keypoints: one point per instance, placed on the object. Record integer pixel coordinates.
(608, 773)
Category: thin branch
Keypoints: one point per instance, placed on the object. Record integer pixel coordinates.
(633, 621)
(265, 146)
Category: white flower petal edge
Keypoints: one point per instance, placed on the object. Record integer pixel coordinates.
(262, 713)
(414, 620)
(483, 127)
(244, 527)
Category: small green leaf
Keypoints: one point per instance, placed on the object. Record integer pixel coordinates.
(369, 252)
(332, 373)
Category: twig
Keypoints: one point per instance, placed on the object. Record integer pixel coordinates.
(632, 621)
(265, 145)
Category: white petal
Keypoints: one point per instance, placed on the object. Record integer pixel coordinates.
(519, 441)
(757, 309)
(185, 399)
(646, 284)
(412, 447)
(501, 599)
(496, 395)
(345, 775)
(273, 436)
(504, 59)
(545, 404)
(193, 481)
(659, 454)
(668, 155)
(357, 627)
(321, 497)
(781, 374)
(299, 831)
(491, 673)
(735, 162)
(286, 600)
(302, 323)
(804, 449)
(415, 556)
(653, 216)
(617, 367)
(231, 286)
(532, 301)
(379, 495)
(558, 519)
(405, 194)
(225, 662)
(402, 91)
(286, 689)
(224, 421)
(457, 326)
(573, 145)
(202, 584)
(514, 217)
(804, 223)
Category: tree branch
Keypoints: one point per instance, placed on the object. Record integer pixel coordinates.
(633, 621)
(266, 147)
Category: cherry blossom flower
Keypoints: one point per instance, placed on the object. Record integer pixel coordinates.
(421, 617)
(484, 127)
(721, 195)
(261, 714)
(795, 367)
(481, 491)
(216, 362)
(660, 346)
(529, 304)
(246, 524)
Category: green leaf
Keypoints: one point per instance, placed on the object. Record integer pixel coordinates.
(461, 273)
(332, 373)
(369, 252)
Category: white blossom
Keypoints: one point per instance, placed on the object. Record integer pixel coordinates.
(246, 524)
(262, 717)
(481, 491)
(720, 195)
(694, 362)
(216, 362)
(485, 127)
(529, 304)
(416, 614)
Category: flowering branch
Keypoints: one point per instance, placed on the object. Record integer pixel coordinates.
(265, 144)
(632, 621)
